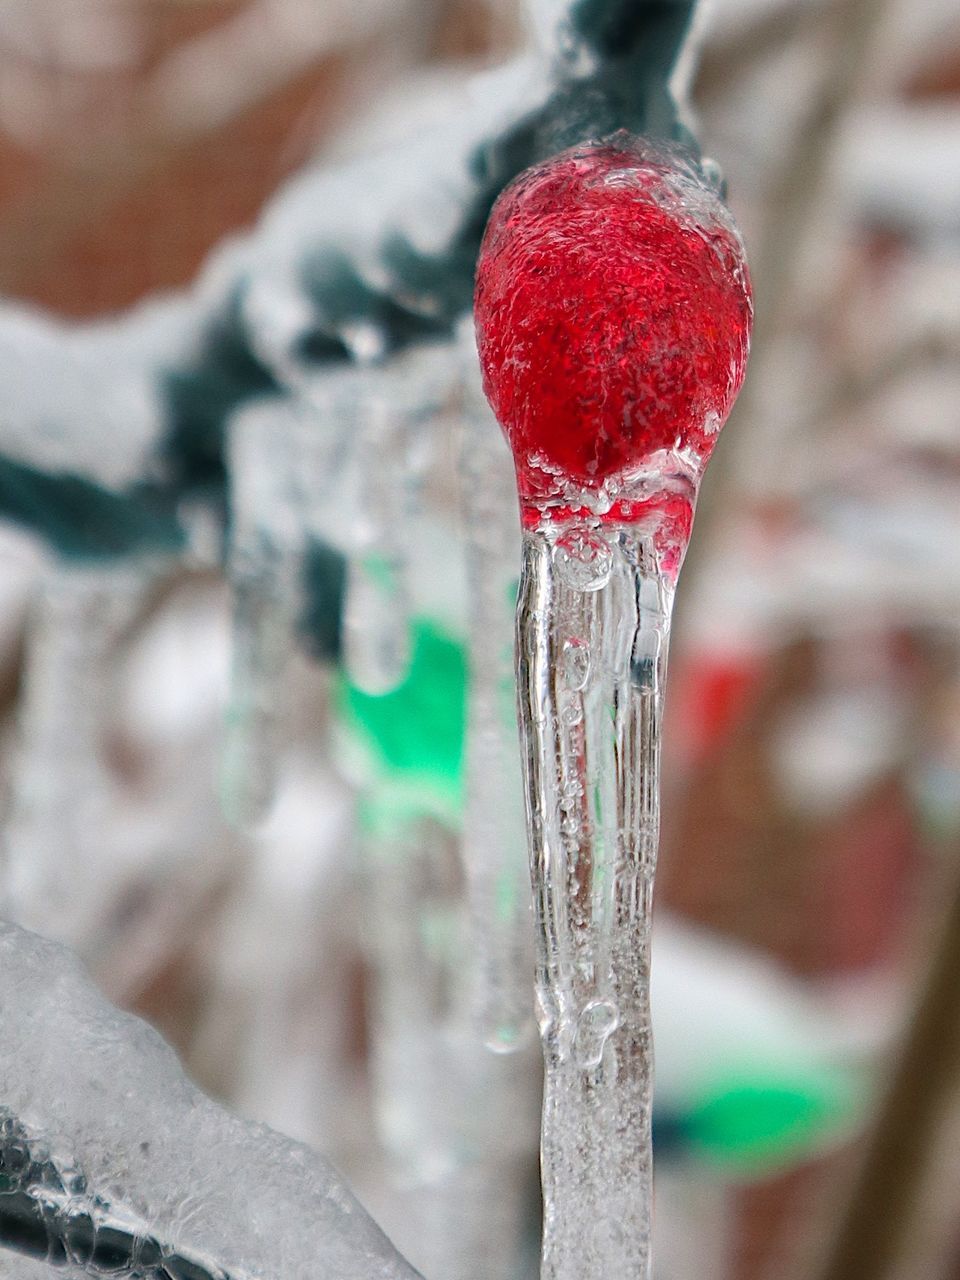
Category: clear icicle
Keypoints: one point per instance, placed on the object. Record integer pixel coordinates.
(498, 881)
(382, 414)
(593, 624)
(458, 1123)
(264, 559)
(56, 847)
(262, 645)
(414, 941)
(376, 618)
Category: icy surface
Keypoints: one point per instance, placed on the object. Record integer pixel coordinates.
(613, 316)
(107, 1143)
(613, 319)
(592, 628)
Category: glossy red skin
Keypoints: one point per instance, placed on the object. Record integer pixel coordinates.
(613, 316)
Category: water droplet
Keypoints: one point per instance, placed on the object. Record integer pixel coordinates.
(575, 665)
(597, 1022)
(602, 499)
(571, 713)
(572, 787)
(583, 559)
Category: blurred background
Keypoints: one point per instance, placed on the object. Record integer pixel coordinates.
(809, 885)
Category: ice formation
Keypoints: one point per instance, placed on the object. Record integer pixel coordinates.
(348, 473)
(112, 1162)
(613, 315)
(324, 490)
(613, 318)
(61, 788)
(498, 885)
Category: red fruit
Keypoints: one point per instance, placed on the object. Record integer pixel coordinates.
(613, 315)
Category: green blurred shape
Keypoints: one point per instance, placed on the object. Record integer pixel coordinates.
(754, 1124)
(413, 736)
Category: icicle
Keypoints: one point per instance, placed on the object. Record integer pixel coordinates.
(593, 622)
(290, 926)
(376, 619)
(265, 558)
(613, 317)
(457, 1123)
(456, 1168)
(415, 944)
(58, 837)
(498, 882)
(382, 412)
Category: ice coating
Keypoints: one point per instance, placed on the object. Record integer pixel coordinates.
(112, 1162)
(613, 315)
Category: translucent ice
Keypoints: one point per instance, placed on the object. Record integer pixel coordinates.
(498, 882)
(613, 316)
(324, 485)
(112, 1162)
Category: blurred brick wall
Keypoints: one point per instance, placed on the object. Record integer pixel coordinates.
(92, 222)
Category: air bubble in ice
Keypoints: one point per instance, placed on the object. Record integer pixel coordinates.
(575, 665)
(572, 713)
(583, 559)
(597, 1022)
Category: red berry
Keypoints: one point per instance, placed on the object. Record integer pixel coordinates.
(613, 315)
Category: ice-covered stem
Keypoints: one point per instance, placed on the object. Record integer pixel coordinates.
(46, 1212)
(98, 1119)
(592, 626)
